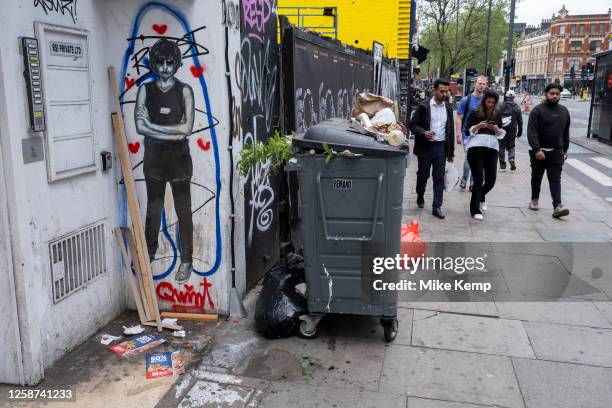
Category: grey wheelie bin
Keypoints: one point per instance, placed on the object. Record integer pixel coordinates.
(350, 210)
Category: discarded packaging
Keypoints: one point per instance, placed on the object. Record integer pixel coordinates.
(129, 331)
(169, 320)
(384, 116)
(370, 103)
(165, 364)
(107, 339)
(279, 307)
(396, 138)
(364, 120)
(178, 333)
(301, 289)
(136, 346)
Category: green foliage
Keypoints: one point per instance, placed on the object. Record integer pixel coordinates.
(329, 153)
(458, 44)
(277, 149)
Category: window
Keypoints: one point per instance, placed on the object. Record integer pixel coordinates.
(573, 29)
(574, 63)
(602, 28)
(575, 45)
(581, 29)
(593, 28)
(562, 29)
(595, 46)
(560, 47)
(559, 65)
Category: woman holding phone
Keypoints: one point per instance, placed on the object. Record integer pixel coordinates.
(485, 127)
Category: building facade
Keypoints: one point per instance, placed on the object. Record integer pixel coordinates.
(532, 61)
(359, 22)
(573, 41)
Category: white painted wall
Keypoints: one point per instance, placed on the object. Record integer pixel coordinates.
(39, 211)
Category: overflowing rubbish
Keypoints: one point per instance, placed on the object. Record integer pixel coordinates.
(178, 333)
(107, 339)
(129, 331)
(165, 364)
(279, 306)
(138, 345)
(374, 115)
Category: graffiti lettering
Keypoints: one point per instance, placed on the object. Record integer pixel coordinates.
(388, 83)
(231, 15)
(59, 6)
(188, 297)
(256, 78)
(236, 118)
(256, 15)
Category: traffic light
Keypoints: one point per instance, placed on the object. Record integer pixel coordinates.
(589, 68)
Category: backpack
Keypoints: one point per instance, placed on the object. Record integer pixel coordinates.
(509, 122)
(464, 115)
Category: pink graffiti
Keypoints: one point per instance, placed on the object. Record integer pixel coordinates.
(256, 14)
(187, 298)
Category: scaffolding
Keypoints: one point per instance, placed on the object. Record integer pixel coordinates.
(313, 18)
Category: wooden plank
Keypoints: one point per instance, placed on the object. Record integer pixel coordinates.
(131, 279)
(191, 316)
(164, 325)
(139, 282)
(132, 199)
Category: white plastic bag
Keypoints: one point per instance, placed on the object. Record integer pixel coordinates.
(451, 177)
(385, 116)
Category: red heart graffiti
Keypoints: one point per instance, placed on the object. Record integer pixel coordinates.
(202, 145)
(197, 71)
(160, 28)
(134, 147)
(129, 82)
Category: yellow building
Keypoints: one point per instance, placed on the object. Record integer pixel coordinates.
(359, 22)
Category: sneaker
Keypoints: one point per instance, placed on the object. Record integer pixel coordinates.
(560, 211)
(438, 213)
(502, 166)
(420, 201)
(512, 165)
(533, 204)
(184, 272)
(483, 206)
(478, 217)
(463, 183)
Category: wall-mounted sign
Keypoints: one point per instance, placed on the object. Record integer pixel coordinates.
(63, 49)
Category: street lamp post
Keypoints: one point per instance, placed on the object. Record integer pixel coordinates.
(509, 53)
(487, 69)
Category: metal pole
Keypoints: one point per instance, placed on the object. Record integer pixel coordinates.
(509, 51)
(487, 46)
(457, 39)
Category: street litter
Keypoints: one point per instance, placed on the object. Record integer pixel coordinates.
(279, 307)
(165, 364)
(178, 333)
(129, 331)
(136, 346)
(107, 339)
(301, 289)
(374, 115)
(169, 320)
(411, 242)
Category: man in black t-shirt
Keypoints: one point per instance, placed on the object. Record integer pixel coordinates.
(164, 114)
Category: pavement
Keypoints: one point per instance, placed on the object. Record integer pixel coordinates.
(550, 350)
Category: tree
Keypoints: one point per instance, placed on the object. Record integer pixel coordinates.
(456, 47)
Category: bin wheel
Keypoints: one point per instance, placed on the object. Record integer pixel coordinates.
(307, 330)
(390, 328)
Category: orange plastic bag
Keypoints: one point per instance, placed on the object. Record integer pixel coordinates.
(411, 242)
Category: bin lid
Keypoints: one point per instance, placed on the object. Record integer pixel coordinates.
(341, 134)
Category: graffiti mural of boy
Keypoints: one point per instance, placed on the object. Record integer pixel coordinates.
(164, 114)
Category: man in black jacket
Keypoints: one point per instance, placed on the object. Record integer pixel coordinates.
(512, 122)
(548, 136)
(434, 141)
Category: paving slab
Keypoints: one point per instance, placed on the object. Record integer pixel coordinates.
(564, 312)
(451, 376)
(206, 394)
(606, 310)
(468, 308)
(547, 384)
(429, 403)
(572, 344)
(470, 333)
(283, 395)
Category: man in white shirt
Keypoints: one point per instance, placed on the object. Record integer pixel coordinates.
(434, 143)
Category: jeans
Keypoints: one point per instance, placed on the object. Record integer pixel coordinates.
(483, 162)
(181, 192)
(507, 144)
(432, 156)
(552, 165)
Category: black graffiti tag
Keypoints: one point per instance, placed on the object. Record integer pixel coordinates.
(59, 6)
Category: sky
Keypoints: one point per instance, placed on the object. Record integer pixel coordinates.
(533, 11)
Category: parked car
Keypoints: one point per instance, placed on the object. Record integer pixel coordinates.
(566, 94)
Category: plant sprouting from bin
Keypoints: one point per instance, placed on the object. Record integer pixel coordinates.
(329, 153)
(277, 149)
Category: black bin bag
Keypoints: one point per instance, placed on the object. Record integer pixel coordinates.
(279, 306)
